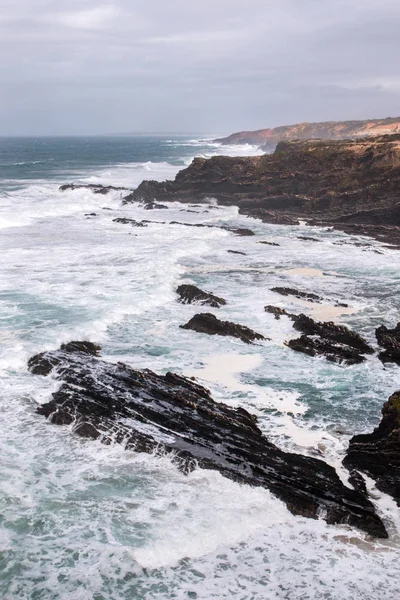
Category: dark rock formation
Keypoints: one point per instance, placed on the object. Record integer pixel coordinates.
(390, 340)
(237, 252)
(154, 205)
(378, 453)
(153, 413)
(278, 312)
(308, 239)
(337, 343)
(190, 294)
(96, 188)
(332, 352)
(329, 130)
(350, 185)
(286, 291)
(309, 296)
(126, 221)
(339, 334)
(269, 243)
(208, 323)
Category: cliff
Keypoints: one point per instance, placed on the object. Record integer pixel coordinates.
(352, 185)
(329, 130)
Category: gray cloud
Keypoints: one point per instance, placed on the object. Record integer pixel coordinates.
(93, 66)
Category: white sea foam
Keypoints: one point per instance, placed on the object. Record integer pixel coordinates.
(87, 521)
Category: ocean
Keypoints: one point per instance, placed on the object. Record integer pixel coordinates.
(84, 521)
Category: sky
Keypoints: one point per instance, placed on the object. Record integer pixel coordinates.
(90, 67)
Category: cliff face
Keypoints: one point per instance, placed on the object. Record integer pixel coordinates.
(342, 183)
(330, 130)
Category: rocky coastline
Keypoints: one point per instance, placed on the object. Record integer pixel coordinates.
(349, 185)
(268, 139)
(172, 414)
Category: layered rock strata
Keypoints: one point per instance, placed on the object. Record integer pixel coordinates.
(169, 413)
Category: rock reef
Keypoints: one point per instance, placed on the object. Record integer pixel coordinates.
(208, 323)
(169, 413)
(191, 294)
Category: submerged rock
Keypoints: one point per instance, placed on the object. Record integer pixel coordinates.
(269, 243)
(208, 323)
(237, 252)
(133, 222)
(190, 294)
(154, 205)
(96, 188)
(390, 340)
(157, 414)
(378, 453)
(278, 312)
(286, 291)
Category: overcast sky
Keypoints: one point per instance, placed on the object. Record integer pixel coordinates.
(215, 66)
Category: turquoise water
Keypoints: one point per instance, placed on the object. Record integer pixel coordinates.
(83, 521)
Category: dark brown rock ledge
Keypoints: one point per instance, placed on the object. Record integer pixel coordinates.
(169, 413)
(352, 185)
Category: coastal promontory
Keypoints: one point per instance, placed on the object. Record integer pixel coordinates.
(352, 185)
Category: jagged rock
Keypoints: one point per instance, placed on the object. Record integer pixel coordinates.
(286, 291)
(332, 352)
(242, 231)
(190, 294)
(43, 363)
(153, 413)
(269, 243)
(330, 331)
(378, 453)
(278, 312)
(351, 185)
(390, 340)
(96, 188)
(154, 205)
(237, 252)
(133, 222)
(208, 323)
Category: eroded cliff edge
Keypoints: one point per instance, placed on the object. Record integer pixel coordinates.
(353, 185)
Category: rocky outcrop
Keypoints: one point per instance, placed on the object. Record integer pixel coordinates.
(339, 334)
(132, 222)
(378, 453)
(350, 185)
(276, 311)
(286, 291)
(390, 340)
(329, 130)
(208, 323)
(191, 294)
(333, 352)
(168, 413)
(337, 343)
(96, 188)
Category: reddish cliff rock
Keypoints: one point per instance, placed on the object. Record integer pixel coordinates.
(329, 130)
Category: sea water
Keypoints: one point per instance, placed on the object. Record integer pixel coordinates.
(83, 521)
